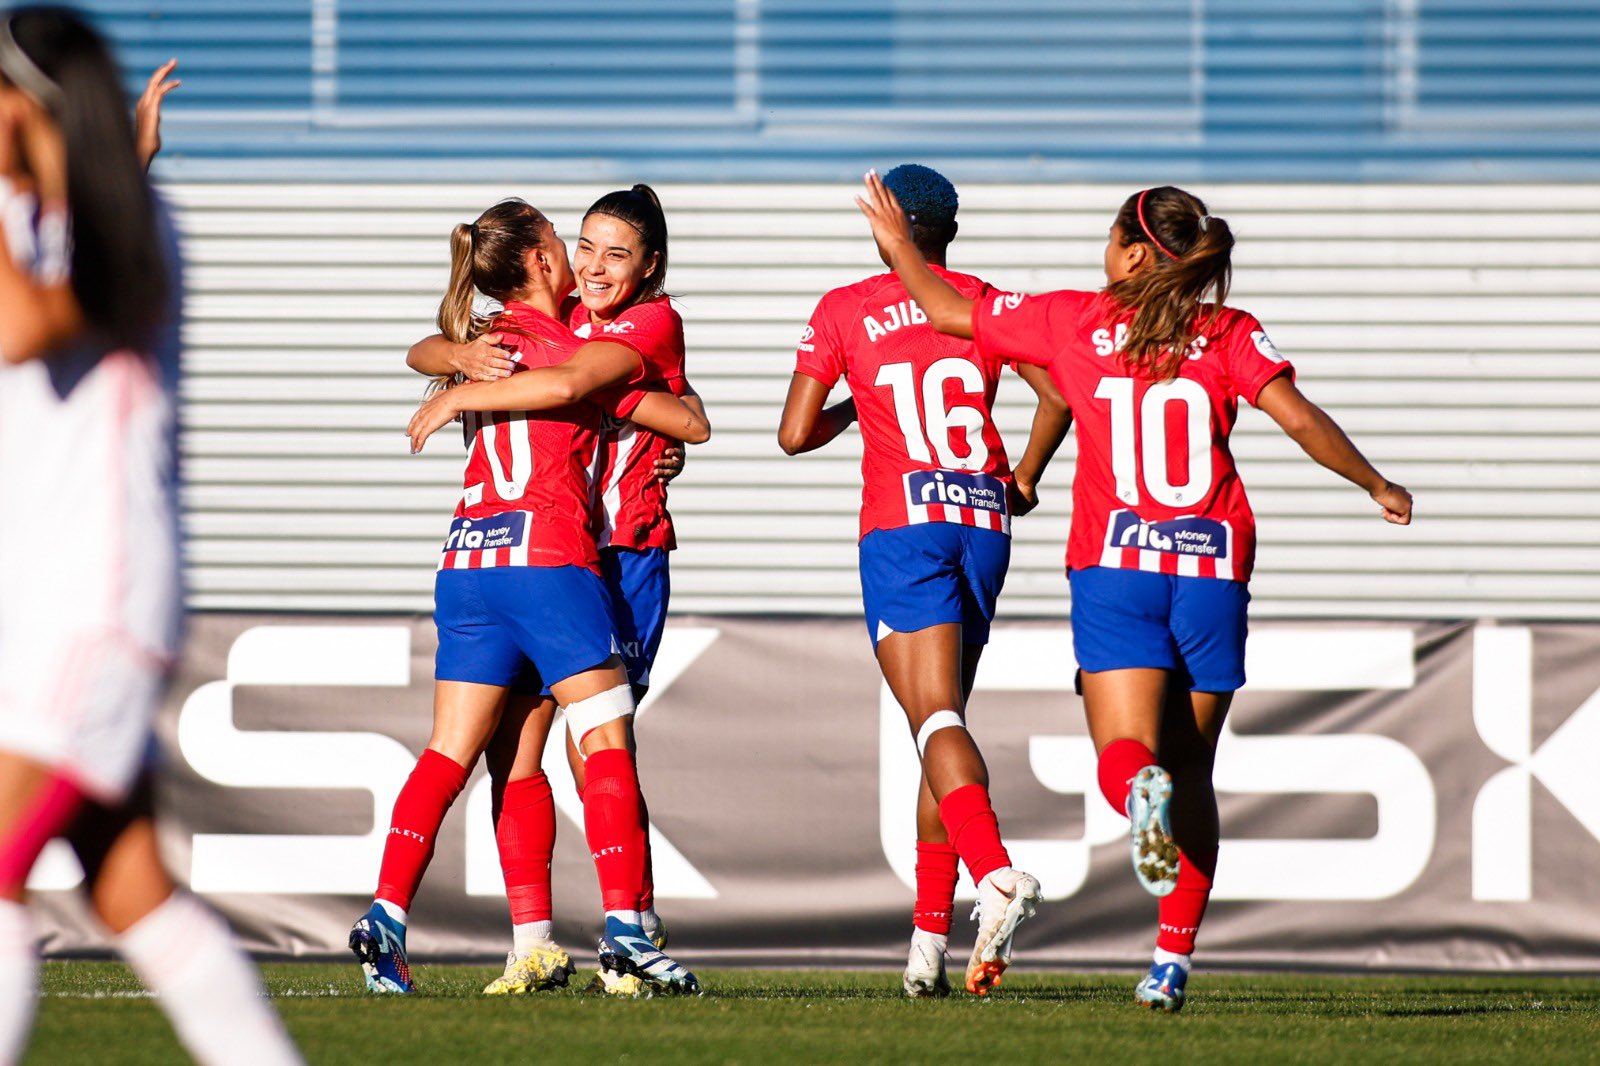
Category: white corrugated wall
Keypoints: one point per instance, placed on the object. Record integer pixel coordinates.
(1453, 330)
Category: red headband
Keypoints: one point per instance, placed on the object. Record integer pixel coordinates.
(1148, 232)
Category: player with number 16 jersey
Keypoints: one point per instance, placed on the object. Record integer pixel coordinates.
(938, 496)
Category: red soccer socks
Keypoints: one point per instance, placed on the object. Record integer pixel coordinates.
(418, 811)
(1119, 762)
(525, 832)
(613, 821)
(1180, 911)
(936, 887)
(974, 831)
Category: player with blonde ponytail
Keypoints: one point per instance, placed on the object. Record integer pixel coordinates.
(1163, 539)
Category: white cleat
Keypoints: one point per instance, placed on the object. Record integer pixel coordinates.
(925, 976)
(1005, 898)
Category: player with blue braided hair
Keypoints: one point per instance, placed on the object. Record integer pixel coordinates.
(938, 496)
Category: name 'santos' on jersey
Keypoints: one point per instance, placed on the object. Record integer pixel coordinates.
(1156, 488)
(527, 497)
(630, 501)
(925, 402)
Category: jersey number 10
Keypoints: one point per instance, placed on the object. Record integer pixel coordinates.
(1154, 448)
(937, 421)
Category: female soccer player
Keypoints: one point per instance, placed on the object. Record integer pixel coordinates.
(1162, 538)
(90, 606)
(623, 310)
(937, 501)
(519, 589)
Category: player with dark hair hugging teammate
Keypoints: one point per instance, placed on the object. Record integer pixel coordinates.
(1163, 538)
(938, 496)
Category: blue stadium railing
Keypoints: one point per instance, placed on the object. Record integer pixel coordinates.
(1335, 90)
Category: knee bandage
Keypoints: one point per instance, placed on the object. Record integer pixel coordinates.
(584, 716)
(933, 723)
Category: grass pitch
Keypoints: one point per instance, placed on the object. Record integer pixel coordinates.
(94, 1012)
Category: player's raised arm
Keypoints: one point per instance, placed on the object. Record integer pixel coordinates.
(947, 310)
(1052, 418)
(1320, 437)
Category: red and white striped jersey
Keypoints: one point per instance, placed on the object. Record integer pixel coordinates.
(1156, 488)
(925, 400)
(630, 501)
(526, 495)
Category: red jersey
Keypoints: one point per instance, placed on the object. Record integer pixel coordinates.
(630, 502)
(1156, 488)
(925, 401)
(526, 495)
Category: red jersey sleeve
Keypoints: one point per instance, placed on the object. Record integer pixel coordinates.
(1025, 329)
(619, 400)
(1251, 360)
(655, 331)
(819, 354)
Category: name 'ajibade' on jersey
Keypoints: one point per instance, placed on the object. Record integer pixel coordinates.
(1156, 487)
(925, 401)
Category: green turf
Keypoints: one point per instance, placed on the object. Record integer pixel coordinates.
(93, 1012)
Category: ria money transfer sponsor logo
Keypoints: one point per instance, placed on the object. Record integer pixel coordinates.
(977, 491)
(1178, 536)
(496, 531)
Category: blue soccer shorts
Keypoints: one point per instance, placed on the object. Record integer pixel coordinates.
(1193, 626)
(521, 625)
(639, 586)
(931, 574)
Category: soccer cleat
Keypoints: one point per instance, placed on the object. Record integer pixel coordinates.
(626, 984)
(925, 976)
(1155, 853)
(625, 950)
(380, 946)
(546, 966)
(1005, 898)
(1162, 987)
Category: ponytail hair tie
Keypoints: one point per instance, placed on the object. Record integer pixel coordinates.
(1148, 232)
(472, 231)
(1205, 223)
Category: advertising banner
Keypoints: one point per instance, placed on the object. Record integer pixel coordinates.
(1392, 796)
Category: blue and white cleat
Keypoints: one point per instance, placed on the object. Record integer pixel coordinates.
(1155, 853)
(625, 950)
(1162, 987)
(627, 985)
(379, 943)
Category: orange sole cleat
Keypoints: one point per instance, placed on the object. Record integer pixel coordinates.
(984, 977)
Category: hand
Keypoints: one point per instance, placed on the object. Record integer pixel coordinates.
(436, 412)
(1023, 496)
(147, 114)
(889, 223)
(1396, 503)
(670, 465)
(482, 359)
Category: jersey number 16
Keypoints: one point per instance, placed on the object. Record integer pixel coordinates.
(937, 421)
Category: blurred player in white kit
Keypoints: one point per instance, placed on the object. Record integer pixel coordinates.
(90, 598)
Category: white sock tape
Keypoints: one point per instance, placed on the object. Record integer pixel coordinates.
(584, 716)
(933, 723)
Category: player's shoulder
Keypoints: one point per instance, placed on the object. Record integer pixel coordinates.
(968, 285)
(656, 313)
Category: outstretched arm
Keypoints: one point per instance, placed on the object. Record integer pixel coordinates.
(806, 425)
(1321, 438)
(477, 360)
(948, 311)
(1051, 420)
(679, 417)
(595, 366)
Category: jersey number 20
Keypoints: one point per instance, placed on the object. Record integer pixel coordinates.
(939, 419)
(1126, 465)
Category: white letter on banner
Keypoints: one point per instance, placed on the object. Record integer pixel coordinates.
(1502, 815)
(675, 877)
(1299, 659)
(1312, 660)
(219, 752)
